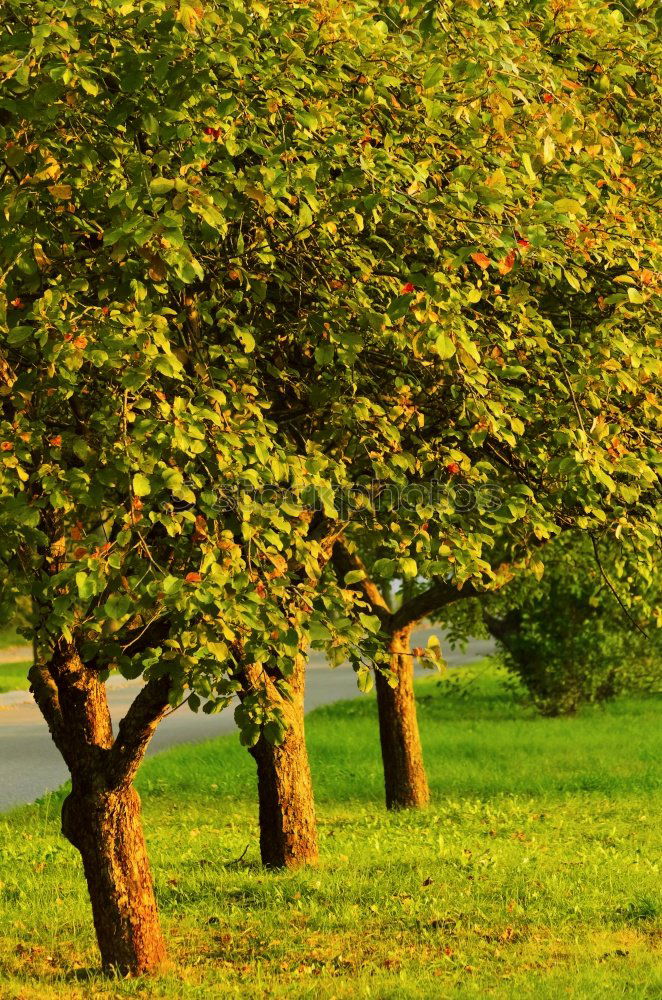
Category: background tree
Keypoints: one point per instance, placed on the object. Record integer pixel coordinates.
(565, 636)
(406, 349)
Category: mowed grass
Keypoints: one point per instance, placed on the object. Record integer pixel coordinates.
(14, 676)
(534, 873)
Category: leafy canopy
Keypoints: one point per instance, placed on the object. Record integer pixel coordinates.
(313, 249)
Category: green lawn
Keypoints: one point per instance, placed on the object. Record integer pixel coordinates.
(14, 676)
(535, 873)
(10, 637)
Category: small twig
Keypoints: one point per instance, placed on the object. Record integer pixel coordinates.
(182, 703)
(572, 396)
(240, 858)
(614, 591)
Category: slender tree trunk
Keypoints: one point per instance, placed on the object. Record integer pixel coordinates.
(106, 827)
(405, 780)
(288, 827)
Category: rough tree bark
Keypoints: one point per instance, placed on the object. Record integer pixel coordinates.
(288, 828)
(101, 816)
(405, 780)
(106, 828)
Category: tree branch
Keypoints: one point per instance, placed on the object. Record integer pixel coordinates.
(436, 597)
(136, 730)
(44, 691)
(501, 628)
(344, 562)
(612, 588)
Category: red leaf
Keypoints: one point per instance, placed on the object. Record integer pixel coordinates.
(506, 264)
(193, 578)
(481, 260)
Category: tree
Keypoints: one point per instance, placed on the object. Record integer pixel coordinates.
(130, 465)
(107, 456)
(565, 636)
(406, 348)
(302, 254)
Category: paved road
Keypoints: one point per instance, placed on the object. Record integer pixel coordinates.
(30, 765)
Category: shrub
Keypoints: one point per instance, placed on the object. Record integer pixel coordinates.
(566, 638)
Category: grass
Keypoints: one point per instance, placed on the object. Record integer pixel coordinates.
(14, 676)
(534, 873)
(10, 637)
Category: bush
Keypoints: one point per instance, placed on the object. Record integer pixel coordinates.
(566, 638)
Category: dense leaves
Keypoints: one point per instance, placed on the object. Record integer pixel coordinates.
(272, 272)
(567, 639)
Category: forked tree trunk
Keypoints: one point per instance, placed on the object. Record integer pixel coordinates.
(288, 827)
(106, 828)
(405, 780)
(101, 817)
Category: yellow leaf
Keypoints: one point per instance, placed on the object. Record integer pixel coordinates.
(548, 150)
(255, 193)
(51, 171)
(158, 270)
(480, 259)
(62, 192)
(506, 263)
(190, 14)
(497, 179)
(526, 161)
(40, 257)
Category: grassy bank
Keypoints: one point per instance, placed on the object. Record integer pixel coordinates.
(534, 873)
(14, 677)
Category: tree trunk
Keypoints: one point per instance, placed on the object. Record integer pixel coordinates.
(101, 817)
(106, 827)
(288, 828)
(405, 780)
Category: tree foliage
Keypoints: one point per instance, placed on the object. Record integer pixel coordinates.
(272, 274)
(566, 638)
(287, 247)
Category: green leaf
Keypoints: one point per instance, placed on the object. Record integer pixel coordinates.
(364, 678)
(370, 622)
(161, 185)
(569, 206)
(408, 568)
(433, 75)
(141, 485)
(86, 586)
(444, 346)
